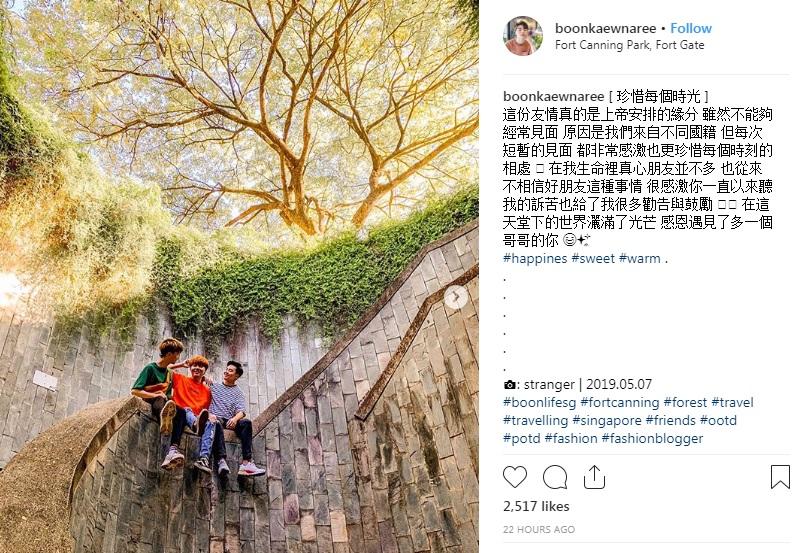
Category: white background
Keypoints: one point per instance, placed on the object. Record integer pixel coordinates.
(717, 319)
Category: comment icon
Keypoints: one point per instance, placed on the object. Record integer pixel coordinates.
(555, 477)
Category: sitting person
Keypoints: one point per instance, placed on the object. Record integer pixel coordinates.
(154, 383)
(191, 397)
(227, 410)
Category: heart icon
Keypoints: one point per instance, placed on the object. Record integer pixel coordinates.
(515, 475)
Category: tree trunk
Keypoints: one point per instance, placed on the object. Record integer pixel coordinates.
(367, 205)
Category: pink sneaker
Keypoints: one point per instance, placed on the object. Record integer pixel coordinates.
(248, 468)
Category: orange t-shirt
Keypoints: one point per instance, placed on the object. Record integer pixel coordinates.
(189, 394)
(518, 49)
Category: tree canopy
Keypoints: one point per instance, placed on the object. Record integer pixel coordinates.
(469, 12)
(315, 113)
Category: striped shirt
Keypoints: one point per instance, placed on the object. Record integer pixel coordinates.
(226, 401)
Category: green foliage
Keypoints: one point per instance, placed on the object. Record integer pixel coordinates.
(101, 250)
(100, 238)
(468, 12)
(331, 285)
(107, 318)
(26, 143)
(86, 249)
(83, 240)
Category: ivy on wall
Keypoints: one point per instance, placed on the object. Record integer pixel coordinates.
(26, 143)
(331, 285)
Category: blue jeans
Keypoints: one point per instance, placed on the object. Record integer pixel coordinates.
(243, 429)
(213, 438)
(187, 417)
(207, 434)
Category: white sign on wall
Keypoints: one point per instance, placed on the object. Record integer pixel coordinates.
(45, 380)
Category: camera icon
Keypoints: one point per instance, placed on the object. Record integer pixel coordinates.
(510, 385)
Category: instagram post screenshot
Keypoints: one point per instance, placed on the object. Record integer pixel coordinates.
(239, 292)
(636, 206)
(241, 285)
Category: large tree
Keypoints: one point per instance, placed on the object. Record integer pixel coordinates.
(416, 113)
(315, 110)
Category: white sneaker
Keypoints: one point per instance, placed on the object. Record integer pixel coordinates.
(223, 469)
(248, 468)
(173, 459)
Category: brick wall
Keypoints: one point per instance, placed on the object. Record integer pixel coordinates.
(403, 479)
(374, 449)
(88, 371)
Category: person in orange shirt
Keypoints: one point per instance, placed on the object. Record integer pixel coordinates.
(191, 397)
(522, 44)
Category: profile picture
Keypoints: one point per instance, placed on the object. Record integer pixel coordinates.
(523, 36)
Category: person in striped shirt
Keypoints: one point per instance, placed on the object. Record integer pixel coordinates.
(228, 410)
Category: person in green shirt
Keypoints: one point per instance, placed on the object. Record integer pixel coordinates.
(154, 383)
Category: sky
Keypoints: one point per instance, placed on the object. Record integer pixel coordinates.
(16, 6)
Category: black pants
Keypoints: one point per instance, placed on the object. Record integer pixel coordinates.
(243, 429)
(157, 404)
(178, 426)
(178, 423)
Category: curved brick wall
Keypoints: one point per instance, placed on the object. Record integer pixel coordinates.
(89, 371)
(403, 479)
(35, 486)
(375, 448)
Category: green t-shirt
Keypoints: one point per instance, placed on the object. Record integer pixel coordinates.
(154, 379)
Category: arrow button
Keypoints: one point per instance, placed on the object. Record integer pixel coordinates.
(594, 480)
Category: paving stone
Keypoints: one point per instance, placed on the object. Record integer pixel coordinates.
(321, 511)
(338, 524)
(308, 527)
(324, 539)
